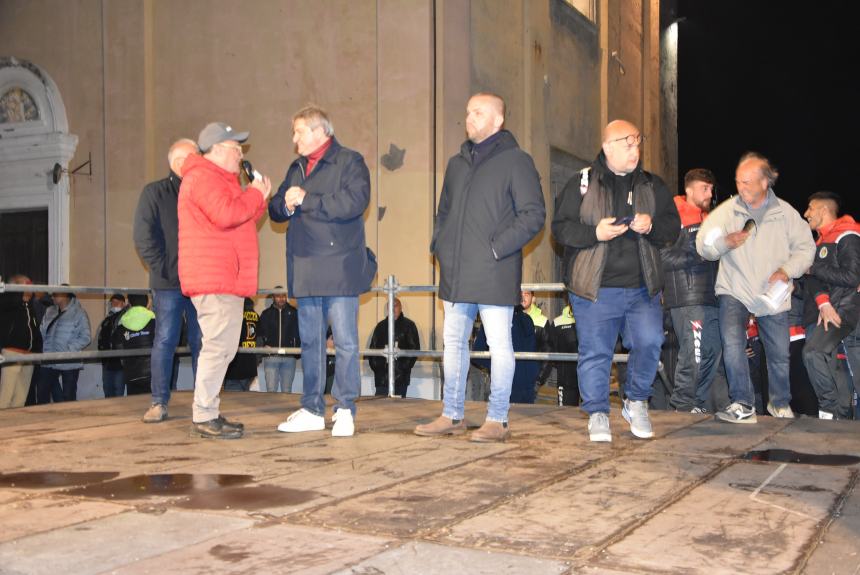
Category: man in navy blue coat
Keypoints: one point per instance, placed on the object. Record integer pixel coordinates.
(323, 196)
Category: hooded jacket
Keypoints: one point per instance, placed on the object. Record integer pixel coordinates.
(487, 213)
(781, 240)
(67, 330)
(135, 330)
(218, 251)
(326, 250)
(689, 278)
(835, 273)
(589, 197)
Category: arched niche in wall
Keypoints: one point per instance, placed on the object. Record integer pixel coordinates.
(34, 135)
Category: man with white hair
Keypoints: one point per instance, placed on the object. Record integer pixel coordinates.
(762, 243)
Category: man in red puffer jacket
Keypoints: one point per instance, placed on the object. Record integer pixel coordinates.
(218, 260)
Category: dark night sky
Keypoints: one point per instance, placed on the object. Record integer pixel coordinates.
(771, 77)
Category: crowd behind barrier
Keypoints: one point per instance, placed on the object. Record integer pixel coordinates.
(390, 289)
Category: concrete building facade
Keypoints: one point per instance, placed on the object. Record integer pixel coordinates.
(134, 75)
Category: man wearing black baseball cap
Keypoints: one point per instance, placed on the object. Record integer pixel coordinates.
(218, 260)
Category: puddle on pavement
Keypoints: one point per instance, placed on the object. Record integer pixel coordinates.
(789, 456)
(198, 491)
(52, 479)
(165, 484)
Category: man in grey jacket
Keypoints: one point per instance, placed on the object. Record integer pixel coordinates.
(491, 206)
(762, 243)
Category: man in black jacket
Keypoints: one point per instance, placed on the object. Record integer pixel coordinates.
(491, 206)
(324, 195)
(689, 296)
(612, 219)
(156, 231)
(19, 333)
(832, 303)
(405, 337)
(279, 327)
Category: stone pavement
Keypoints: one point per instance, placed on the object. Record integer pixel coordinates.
(86, 488)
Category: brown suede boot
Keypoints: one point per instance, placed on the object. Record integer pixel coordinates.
(441, 426)
(491, 432)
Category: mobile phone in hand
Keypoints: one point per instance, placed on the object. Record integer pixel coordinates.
(623, 221)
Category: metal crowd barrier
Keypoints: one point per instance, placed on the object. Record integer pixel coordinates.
(390, 351)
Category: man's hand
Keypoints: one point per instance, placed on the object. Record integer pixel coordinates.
(641, 224)
(264, 185)
(606, 231)
(736, 239)
(293, 198)
(778, 275)
(827, 315)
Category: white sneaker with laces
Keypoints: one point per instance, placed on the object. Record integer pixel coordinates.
(783, 412)
(598, 427)
(302, 420)
(825, 415)
(344, 426)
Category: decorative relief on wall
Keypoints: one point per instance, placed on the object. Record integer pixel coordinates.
(17, 106)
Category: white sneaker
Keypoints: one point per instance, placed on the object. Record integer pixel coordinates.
(598, 427)
(825, 415)
(302, 420)
(344, 426)
(636, 414)
(784, 412)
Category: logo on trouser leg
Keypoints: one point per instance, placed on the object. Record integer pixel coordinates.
(697, 339)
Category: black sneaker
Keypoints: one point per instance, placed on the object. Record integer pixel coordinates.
(231, 424)
(216, 429)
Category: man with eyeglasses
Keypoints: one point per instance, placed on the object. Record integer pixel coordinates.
(612, 219)
(762, 243)
(218, 261)
(324, 195)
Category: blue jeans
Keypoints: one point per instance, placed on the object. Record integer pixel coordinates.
(773, 332)
(170, 307)
(459, 320)
(315, 313)
(638, 317)
(113, 382)
(280, 371)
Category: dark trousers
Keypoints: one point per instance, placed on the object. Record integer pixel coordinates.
(825, 370)
(57, 385)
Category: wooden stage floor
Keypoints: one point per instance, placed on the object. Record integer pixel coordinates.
(87, 488)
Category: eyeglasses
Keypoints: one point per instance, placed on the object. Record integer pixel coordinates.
(236, 147)
(631, 140)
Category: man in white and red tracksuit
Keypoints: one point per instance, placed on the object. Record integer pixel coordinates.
(218, 261)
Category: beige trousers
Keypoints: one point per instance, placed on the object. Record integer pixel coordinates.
(220, 320)
(14, 384)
